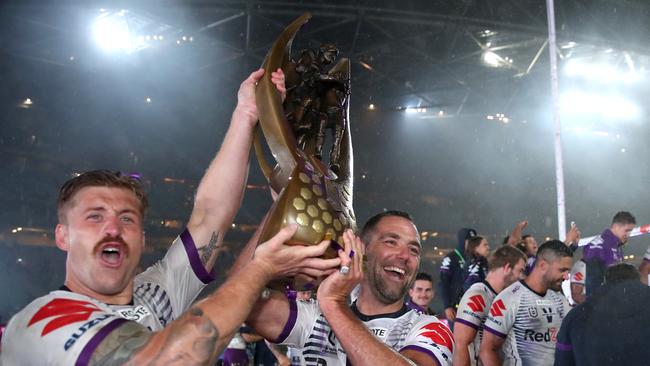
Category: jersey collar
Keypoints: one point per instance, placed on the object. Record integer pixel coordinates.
(486, 283)
(366, 318)
(66, 288)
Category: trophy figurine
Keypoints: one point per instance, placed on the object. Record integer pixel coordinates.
(313, 181)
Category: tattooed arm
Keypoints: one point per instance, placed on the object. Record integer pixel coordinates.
(220, 192)
(201, 333)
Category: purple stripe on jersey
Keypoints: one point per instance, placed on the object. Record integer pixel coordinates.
(193, 255)
(564, 347)
(463, 321)
(87, 353)
(423, 350)
(495, 332)
(291, 322)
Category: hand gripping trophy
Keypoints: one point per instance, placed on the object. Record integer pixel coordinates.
(313, 193)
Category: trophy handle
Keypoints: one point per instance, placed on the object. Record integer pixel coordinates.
(276, 128)
(266, 168)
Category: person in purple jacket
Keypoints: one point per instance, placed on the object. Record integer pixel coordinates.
(605, 250)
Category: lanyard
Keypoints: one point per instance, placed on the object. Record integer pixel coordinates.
(462, 259)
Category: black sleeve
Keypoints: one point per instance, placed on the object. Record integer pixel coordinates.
(563, 346)
(595, 275)
(445, 284)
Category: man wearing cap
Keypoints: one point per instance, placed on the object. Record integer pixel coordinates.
(451, 282)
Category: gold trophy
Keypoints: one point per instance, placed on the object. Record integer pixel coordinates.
(314, 193)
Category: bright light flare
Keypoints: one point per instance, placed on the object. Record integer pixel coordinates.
(111, 33)
(608, 106)
(602, 72)
(491, 59)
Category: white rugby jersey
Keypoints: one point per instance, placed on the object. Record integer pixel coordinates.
(529, 322)
(473, 310)
(65, 328)
(308, 330)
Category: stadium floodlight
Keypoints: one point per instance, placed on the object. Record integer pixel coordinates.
(491, 59)
(111, 31)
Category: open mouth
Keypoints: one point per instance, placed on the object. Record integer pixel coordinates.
(395, 272)
(112, 255)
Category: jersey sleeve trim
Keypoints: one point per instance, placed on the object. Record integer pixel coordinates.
(193, 255)
(564, 347)
(495, 332)
(88, 350)
(291, 322)
(423, 350)
(465, 322)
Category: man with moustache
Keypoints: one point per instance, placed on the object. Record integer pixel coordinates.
(106, 314)
(377, 328)
(525, 318)
(505, 266)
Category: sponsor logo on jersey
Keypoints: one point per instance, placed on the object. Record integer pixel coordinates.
(544, 302)
(64, 312)
(597, 243)
(83, 329)
(534, 336)
(135, 313)
(379, 332)
(548, 312)
(473, 269)
(579, 276)
(476, 303)
(446, 261)
(514, 290)
(497, 308)
(439, 334)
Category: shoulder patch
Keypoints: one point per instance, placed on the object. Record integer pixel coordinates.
(439, 334)
(497, 308)
(64, 312)
(476, 303)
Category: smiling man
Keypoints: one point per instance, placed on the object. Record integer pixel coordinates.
(376, 329)
(421, 294)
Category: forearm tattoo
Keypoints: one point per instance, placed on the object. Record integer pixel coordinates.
(121, 344)
(206, 252)
(191, 340)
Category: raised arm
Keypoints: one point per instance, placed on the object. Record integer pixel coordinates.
(220, 192)
(200, 334)
(515, 235)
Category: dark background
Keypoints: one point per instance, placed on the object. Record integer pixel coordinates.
(451, 166)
